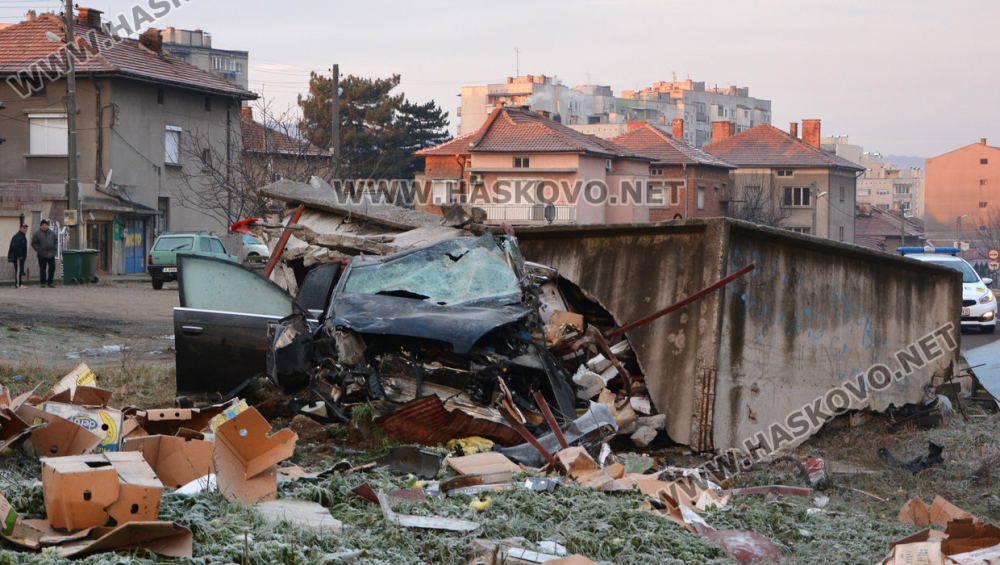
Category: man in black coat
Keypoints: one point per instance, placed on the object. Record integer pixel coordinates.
(45, 242)
(17, 253)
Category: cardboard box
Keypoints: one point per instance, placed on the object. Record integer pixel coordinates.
(81, 376)
(91, 490)
(480, 463)
(176, 460)
(246, 457)
(88, 407)
(54, 436)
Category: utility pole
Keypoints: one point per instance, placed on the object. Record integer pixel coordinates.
(75, 237)
(335, 122)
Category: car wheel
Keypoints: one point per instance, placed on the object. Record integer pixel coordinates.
(157, 284)
(988, 329)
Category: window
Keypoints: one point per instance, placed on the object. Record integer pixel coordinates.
(37, 86)
(172, 144)
(48, 134)
(841, 194)
(443, 192)
(675, 196)
(784, 173)
(982, 182)
(659, 194)
(208, 103)
(656, 172)
(520, 162)
(805, 231)
(205, 245)
(701, 197)
(797, 196)
(159, 96)
(882, 192)
(721, 111)
(981, 204)
(239, 68)
(841, 233)
(217, 246)
(902, 189)
(905, 205)
(984, 161)
(864, 192)
(206, 157)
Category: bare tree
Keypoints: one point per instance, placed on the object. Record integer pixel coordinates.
(755, 198)
(223, 182)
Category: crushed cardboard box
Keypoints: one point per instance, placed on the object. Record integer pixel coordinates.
(246, 457)
(82, 375)
(88, 407)
(176, 460)
(54, 436)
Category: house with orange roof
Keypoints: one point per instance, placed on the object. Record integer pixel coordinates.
(685, 181)
(136, 106)
(804, 188)
(520, 163)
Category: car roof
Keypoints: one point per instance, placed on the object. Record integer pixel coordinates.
(935, 256)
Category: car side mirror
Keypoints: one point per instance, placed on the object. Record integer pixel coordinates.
(987, 281)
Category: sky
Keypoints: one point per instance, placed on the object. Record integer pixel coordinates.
(901, 77)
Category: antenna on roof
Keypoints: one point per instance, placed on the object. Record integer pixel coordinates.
(517, 54)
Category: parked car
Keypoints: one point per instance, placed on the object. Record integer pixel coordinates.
(162, 263)
(255, 247)
(979, 305)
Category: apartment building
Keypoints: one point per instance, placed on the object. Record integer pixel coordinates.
(890, 187)
(959, 188)
(595, 110)
(194, 47)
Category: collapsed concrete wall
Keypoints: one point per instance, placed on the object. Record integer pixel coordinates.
(813, 314)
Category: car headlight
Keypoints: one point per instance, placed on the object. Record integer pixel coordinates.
(986, 298)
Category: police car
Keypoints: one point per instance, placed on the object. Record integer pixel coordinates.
(979, 306)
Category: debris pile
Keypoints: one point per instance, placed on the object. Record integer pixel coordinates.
(104, 470)
(965, 540)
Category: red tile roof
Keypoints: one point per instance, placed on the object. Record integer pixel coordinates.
(255, 141)
(768, 146)
(667, 149)
(870, 241)
(882, 223)
(25, 44)
(457, 146)
(514, 130)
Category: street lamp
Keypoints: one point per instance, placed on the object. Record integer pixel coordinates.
(816, 201)
(959, 220)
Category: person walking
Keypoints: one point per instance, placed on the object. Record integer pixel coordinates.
(18, 253)
(45, 242)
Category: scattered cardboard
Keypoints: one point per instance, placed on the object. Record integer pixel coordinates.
(482, 463)
(87, 407)
(571, 560)
(941, 512)
(81, 376)
(175, 460)
(54, 436)
(91, 490)
(164, 538)
(246, 457)
(915, 512)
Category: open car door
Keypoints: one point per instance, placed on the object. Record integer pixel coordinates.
(221, 325)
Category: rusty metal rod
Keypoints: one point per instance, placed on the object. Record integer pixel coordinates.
(283, 241)
(519, 428)
(540, 400)
(701, 293)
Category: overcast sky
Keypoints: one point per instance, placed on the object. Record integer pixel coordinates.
(904, 77)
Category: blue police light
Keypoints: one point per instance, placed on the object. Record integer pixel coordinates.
(938, 250)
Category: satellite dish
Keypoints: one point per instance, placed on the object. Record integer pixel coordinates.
(550, 212)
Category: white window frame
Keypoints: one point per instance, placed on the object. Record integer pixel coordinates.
(46, 136)
(172, 150)
(701, 197)
(799, 196)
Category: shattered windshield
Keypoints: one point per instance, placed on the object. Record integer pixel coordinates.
(462, 271)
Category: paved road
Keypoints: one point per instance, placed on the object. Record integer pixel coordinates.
(128, 308)
(972, 339)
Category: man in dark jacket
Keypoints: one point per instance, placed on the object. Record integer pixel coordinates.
(17, 253)
(45, 242)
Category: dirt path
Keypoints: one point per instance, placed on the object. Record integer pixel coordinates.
(98, 324)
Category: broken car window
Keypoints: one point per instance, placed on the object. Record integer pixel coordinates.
(463, 271)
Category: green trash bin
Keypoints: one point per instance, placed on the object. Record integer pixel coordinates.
(88, 265)
(71, 259)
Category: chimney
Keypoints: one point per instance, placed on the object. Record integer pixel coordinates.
(982, 141)
(662, 120)
(152, 40)
(90, 17)
(793, 129)
(247, 113)
(679, 128)
(31, 15)
(635, 125)
(722, 130)
(810, 132)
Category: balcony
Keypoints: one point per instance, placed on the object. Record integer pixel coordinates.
(496, 213)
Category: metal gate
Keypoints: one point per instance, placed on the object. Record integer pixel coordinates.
(134, 248)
